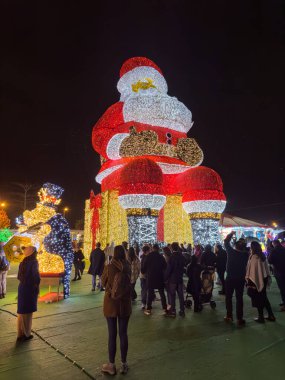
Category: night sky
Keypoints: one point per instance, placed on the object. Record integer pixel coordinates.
(224, 60)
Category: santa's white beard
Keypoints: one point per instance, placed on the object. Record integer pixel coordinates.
(158, 110)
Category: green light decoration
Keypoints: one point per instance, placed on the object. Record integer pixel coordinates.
(5, 234)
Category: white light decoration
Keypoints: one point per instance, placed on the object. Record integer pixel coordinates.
(142, 229)
(113, 147)
(104, 173)
(152, 201)
(143, 74)
(158, 110)
(215, 206)
(205, 231)
(172, 168)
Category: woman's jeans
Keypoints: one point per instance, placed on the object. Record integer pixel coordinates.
(122, 322)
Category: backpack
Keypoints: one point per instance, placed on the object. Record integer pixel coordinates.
(4, 264)
(121, 286)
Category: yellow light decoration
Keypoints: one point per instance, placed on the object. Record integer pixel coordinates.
(146, 143)
(176, 221)
(142, 211)
(113, 220)
(40, 214)
(50, 263)
(143, 85)
(46, 197)
(205, 215)
(87, 245)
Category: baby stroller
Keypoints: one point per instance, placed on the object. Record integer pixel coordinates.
(200, 286)
(207, 278)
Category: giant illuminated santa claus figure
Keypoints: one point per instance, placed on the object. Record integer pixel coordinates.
(146, 156)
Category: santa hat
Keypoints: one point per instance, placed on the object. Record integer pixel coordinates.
(140, 73)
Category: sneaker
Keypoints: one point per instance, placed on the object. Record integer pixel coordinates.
(109, 368)
(170, 314)
(102, 290)
(143, 306)
(74, 279)
(241, 322)
(93, 289)
(270, 318)
(259, 320)
(147, 312)
(182, 313)
(28, 337)
(124, 368)
(228, 319)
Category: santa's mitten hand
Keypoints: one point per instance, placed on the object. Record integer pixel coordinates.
(139, 144)
(189, 151)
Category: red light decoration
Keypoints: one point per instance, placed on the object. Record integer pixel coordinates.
(141, 170)
(134, 62)
(200, 178)
(103, 130)
(201, 195)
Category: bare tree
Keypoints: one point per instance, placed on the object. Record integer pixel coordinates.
(25, 194)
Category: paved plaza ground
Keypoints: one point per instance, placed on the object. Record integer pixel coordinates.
(198, 347)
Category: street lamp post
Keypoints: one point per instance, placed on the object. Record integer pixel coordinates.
(65, 210)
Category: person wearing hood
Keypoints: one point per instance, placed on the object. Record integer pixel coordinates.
(257, 279)
(237, 258)
(117, 307)
(28, 291)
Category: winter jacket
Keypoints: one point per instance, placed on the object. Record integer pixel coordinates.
(135, 269)
(175, 268)
(78, 257)
(153, 267)
(277, 259)
(194, 283)
(208, 259)
(97, 261)
(120, 307)
(221, 260)
(236, 261)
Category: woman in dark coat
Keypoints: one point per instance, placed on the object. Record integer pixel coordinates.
(117, 307)
(28, 291)
(194, 284)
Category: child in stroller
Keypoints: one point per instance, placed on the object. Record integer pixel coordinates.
(200, 284)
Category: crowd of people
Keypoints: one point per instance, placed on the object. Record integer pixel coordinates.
(164, 269)
(160, 270)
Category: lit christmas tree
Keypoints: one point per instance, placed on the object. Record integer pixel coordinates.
(4, 220)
